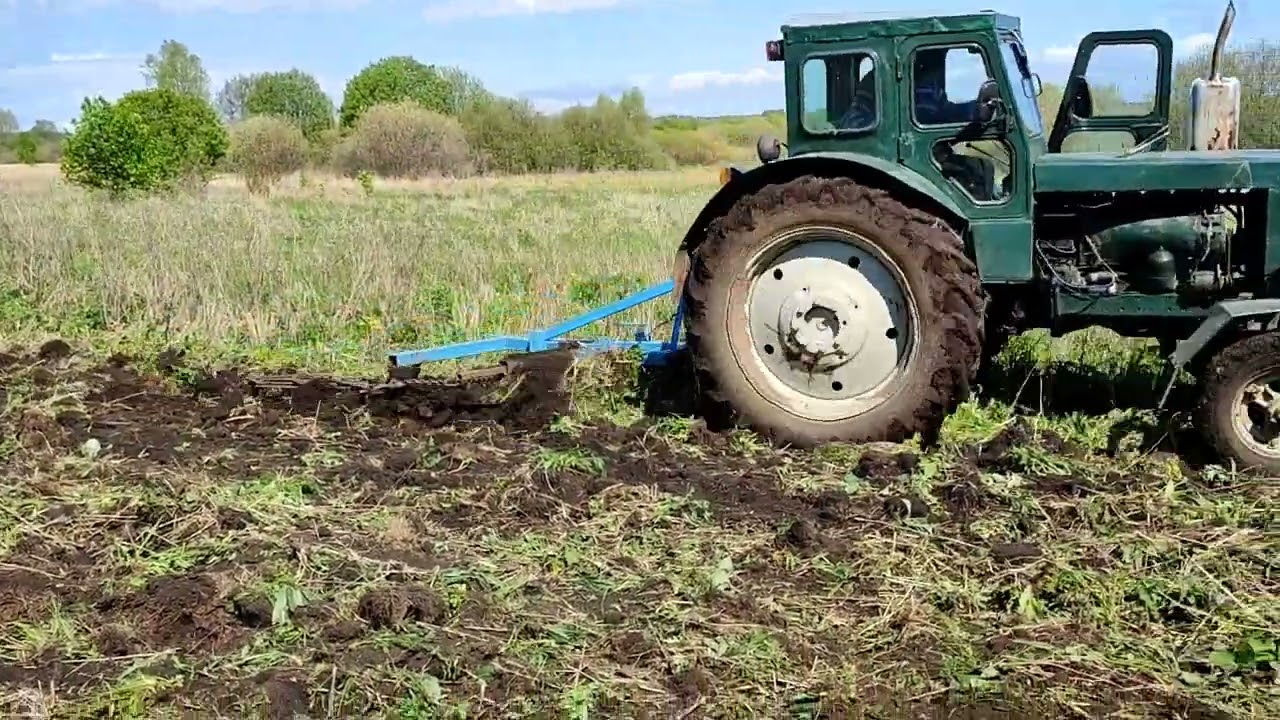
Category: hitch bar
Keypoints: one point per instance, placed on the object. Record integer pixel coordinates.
(656, 351)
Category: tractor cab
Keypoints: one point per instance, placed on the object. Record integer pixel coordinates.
(956, 99)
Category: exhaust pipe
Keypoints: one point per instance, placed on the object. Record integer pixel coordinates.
(1214, 122)
(1220, 43)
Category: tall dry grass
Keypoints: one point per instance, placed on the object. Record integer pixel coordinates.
(324, 273)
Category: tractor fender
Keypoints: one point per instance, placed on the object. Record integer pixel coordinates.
(1216, 331)
(868, 169)
(1220, 324)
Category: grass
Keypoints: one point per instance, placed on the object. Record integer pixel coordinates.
(239, 552)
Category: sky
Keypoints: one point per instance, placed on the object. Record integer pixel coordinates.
(703, 57)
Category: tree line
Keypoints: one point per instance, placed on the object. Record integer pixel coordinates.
(399, 117)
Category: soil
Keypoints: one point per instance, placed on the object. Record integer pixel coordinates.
(404, 436)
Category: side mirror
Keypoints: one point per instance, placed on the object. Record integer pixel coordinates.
(1037, 87)
(988, 105)
(768, 149)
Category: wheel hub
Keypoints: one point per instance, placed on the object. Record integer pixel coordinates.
(1258, 416)
(819, 329)
(831, 320)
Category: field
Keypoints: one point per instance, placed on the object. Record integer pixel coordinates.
(233, 531)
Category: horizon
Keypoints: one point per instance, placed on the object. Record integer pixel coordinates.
(554, 53)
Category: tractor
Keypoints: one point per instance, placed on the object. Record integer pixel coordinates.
(924, 211)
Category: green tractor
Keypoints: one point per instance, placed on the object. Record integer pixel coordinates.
(924, 211)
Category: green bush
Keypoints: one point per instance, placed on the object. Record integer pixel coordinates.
(264, 149)
(509, 136)
(396, 79)
(404, 140)
(293, 95)
(26, 149)
(112, 150)
(613, 135)
(148, 140)
(320, 148)
(693, 147)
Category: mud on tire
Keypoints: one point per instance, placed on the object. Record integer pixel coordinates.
(944, 282)
(1225, 378)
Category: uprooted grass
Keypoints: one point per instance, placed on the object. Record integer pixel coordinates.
(239, 552)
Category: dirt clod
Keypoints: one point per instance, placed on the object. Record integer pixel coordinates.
(393, 607)
(880, 467)
(55, 350)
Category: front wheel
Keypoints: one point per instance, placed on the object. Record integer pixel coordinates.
(825, 310)
(1239, 406)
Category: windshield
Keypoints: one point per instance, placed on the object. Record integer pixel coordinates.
(1021, 83)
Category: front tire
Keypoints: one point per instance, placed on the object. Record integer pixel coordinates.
(1239, 406)
(824, 310)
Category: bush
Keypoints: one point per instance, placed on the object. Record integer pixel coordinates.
(148, 140)
(26, 149)
(113, 150)
(264, 149)
(393, 80)
(693, 147)
(613, 135)
(293, 95)
(320, 148)
(404, 140)
(509, 136)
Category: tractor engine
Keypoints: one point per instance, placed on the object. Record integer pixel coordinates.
(1189, 255)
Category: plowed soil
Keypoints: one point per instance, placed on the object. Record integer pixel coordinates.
(284, 547)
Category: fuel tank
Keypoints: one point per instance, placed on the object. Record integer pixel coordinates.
(1154, 254)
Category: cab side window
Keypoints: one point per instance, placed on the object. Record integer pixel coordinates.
(840, 93)
(945, 83)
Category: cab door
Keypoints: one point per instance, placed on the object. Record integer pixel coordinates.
(984, 168)
(1117, 95)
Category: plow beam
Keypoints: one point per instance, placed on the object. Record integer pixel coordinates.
(551, 338)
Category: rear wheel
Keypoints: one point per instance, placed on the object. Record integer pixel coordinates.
(824, 310)
(1239, 408)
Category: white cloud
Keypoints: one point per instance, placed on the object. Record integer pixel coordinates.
(1181, 47)
(701, 87)
(187, 6)
(1193, 43)
(1059, 53)
(703, 79)
(449, 10)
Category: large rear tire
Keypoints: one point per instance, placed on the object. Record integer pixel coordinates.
(822, 310)
(1239, 406)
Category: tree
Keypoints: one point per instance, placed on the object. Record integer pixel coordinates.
(178, 69)
(231, 98)
(295, 96)
(465, 90)
(8, 122)
(393, 80)
(46, 128)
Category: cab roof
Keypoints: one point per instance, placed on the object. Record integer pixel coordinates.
(834, 27)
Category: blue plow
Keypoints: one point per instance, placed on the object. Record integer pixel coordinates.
(656, 352)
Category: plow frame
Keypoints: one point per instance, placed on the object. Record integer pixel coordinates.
(656, 352)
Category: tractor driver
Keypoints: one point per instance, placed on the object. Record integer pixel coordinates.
(862, 107)
(932, 105)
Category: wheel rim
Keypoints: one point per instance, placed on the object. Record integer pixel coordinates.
(1257, 414)
(832, 325)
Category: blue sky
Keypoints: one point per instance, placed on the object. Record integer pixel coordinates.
(689, 56)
